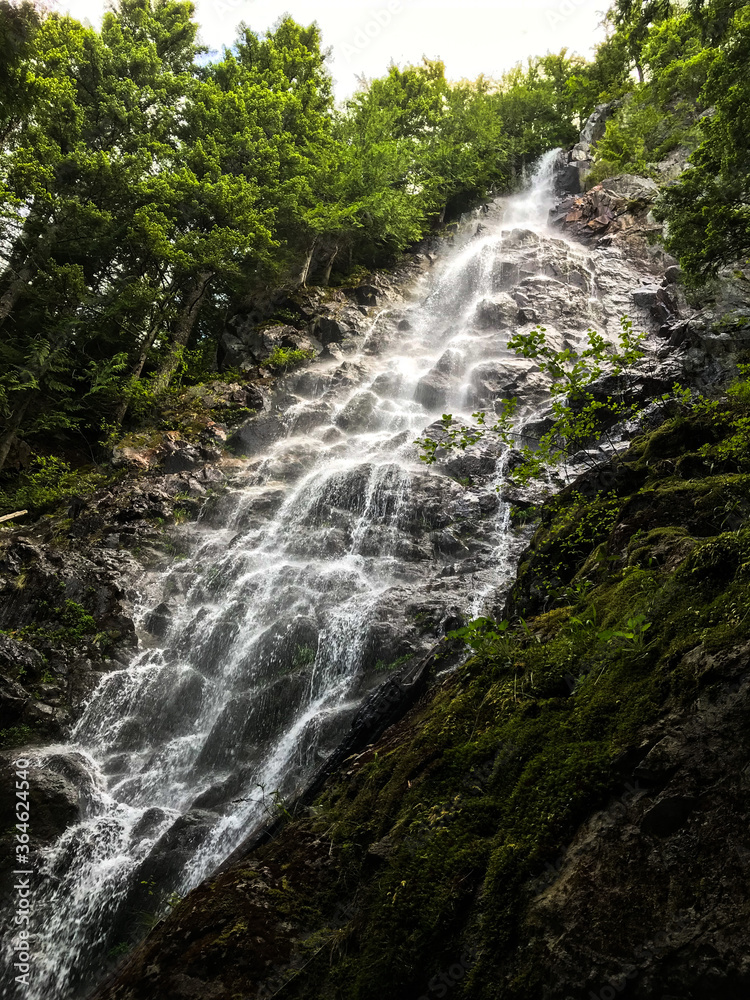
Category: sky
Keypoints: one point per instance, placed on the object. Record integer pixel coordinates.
(470, 36)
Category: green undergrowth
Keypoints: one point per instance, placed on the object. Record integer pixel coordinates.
(67, 624)
(283, 359)
(49, 483)
(446, 831)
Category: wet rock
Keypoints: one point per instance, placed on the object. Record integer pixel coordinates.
(358, 413)
(54, 798)
(366, 295)
(332, 330)
(467, 465)
(158, 621)
(433, 389)
(497, 313)
(176, 846)
(257, 433)
(48, 721)
(501, 379)
(292, 643)
(148, 824)
(640, 384)
(250, 720)
(445, 543)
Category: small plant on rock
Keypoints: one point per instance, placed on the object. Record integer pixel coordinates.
(283, 359)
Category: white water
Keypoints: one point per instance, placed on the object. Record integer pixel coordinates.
(339, 555)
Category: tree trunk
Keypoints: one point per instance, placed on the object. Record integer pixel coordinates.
(183, 328)
(148, 343)
(329, 266)
(8, 436)
(308, 262)
(13, 293)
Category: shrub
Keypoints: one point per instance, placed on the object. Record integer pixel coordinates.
(48, 482)
(282, 359)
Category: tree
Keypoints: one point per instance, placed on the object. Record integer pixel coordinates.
(633, 20)
(708, 209)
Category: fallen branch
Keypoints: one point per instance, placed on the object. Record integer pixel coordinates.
(9, 517)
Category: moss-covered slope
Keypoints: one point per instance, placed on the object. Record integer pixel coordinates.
(565, 815)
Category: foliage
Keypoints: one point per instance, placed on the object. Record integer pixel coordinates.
(146, 192)
(66, 623)
(47, 483)
(16, 736)
(576, 414)
(708, 209)
(733, 450)
(692, 94)
(282, 359)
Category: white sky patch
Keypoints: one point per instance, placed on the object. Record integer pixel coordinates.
(470, 36)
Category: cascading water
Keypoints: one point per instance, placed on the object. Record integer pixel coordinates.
(338, 556)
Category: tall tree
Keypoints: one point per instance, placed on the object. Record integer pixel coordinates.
(708, 209)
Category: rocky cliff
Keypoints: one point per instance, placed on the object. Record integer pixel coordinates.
(544, 821)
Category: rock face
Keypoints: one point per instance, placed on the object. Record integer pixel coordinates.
(58, 789)
(577, 162)
(616, 204)
(327, 321)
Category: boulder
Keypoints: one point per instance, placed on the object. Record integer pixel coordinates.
(366, 294)
(596, 123)
(502, 378)
(158, 621)
(631, 188)
(54, 798)
(331, 330)
(433, 389)
(358, 413)
(496, 313)
(248, 345)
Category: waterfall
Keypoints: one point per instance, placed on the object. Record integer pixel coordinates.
(338, 556)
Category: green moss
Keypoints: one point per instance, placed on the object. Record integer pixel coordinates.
(49, 483)
(283, 359)
(17, 736)
(67, 623)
